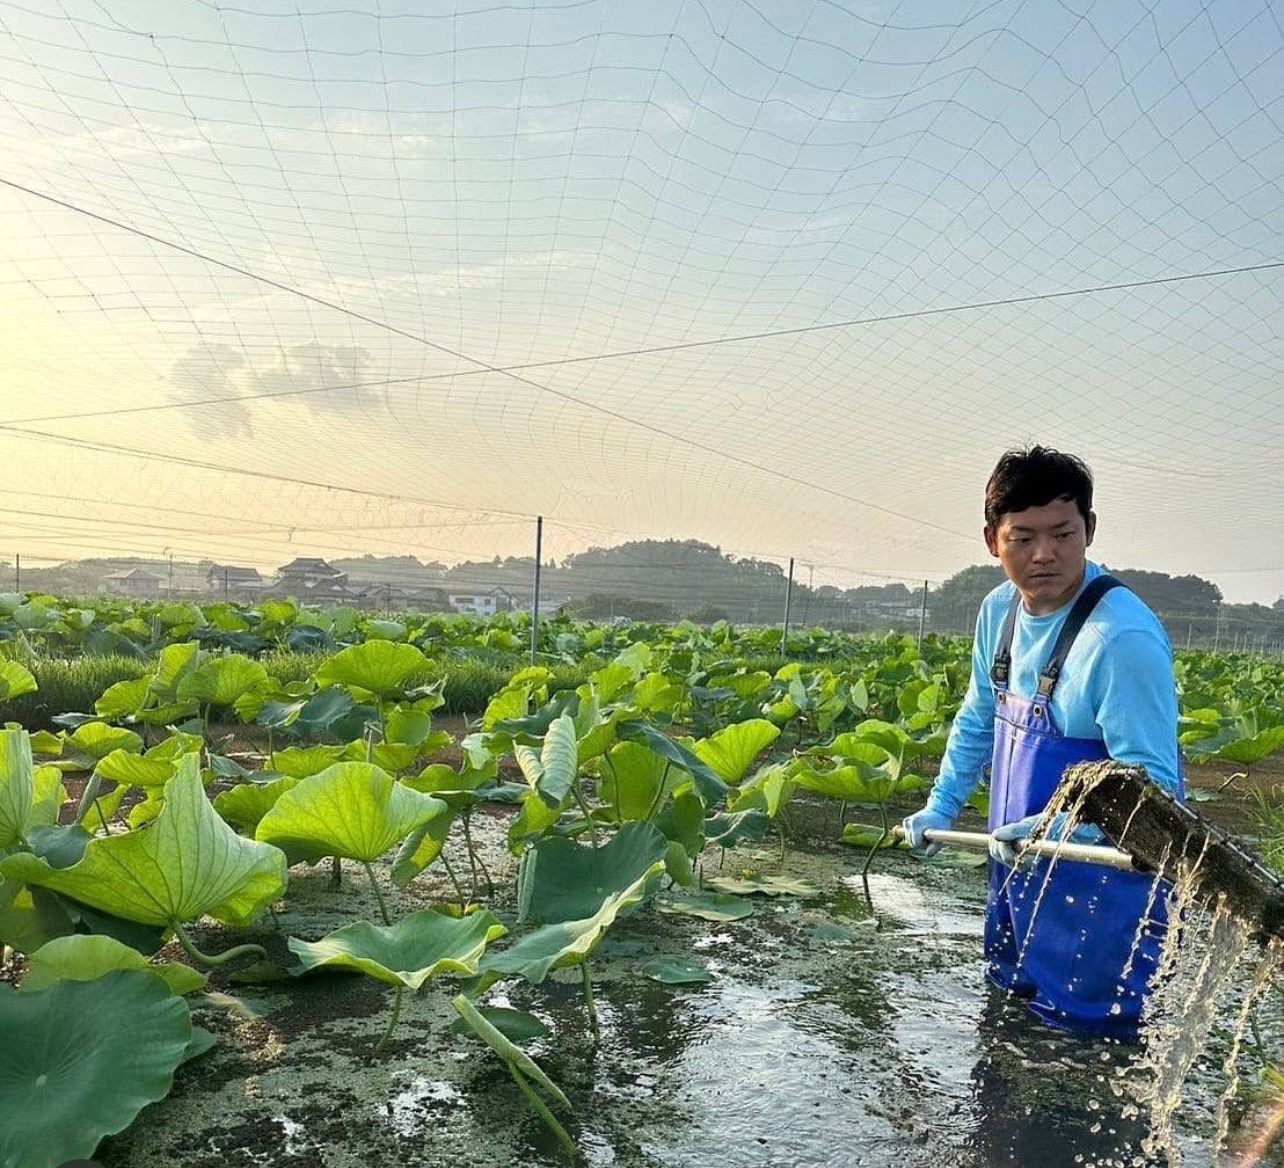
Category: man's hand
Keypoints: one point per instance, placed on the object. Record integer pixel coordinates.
(926, 820)
(1007, 843)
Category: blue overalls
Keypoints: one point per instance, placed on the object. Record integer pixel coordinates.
(1085, 958)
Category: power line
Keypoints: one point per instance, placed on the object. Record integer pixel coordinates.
(673, 436)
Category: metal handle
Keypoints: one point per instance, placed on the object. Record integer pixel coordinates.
(1053, 849)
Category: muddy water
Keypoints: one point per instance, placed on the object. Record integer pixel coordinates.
(822, 1041)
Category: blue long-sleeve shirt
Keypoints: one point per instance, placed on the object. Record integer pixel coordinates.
(1116, 687)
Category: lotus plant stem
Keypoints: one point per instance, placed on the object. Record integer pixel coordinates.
(90, 795)
(459, 890)
(509, 1051)
(661, 791)
(588, 1001)
(209, 960)
(615, 779)
(475, 861)
(374, 883)
(336, 872)
(541, 1109)
(588, 815)
(869, 859)
(392, 1021)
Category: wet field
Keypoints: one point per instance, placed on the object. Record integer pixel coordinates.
(824, 1038)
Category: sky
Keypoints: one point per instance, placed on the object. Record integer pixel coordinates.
(391, 277)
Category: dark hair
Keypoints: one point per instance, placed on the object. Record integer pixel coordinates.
(1034, 478)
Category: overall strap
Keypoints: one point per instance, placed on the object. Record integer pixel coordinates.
(1001, 670)
(1078, 617)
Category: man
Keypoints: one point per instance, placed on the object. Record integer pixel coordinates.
(1068, 666)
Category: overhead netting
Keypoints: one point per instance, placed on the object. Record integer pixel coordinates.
(312, 278)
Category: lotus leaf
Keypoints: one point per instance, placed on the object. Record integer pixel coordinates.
(637, 780)
(707, 782)
(561, 880)
(188, 864)
(15, 680)
(731, 751)
(134, 770)
(672, 971)
(515, 1025)
(301, 761)
(352, 809)
(122, 699)
(381, 668)
(245, 805)
(82, 1059)
(42, 742)
(221, 681)
(17, 785)
(708, 906)
(408, 953)
(730, 828)
(83, 958)
(551, 772)
(421, 847)
(96, 740)
(763, 885)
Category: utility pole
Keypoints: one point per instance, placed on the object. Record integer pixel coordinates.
(17, 571)
(539, 551)
(224, 585)
(789, 595)
(922, 615)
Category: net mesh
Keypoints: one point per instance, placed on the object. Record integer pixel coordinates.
(298, 279)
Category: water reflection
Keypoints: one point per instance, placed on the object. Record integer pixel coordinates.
(1048, 1099)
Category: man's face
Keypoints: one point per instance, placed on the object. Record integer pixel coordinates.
(1043, 551)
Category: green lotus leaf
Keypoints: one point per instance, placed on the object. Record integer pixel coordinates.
(515, 1025)
(708, 906)
(134, 770)
(856, 782)
(864, 835)
(408, 953)
(188, 864)
(42, 742)
(385, 630)
(15, 680)
(353, 809)
(552, 771)
(637, 780)
(408, 725)
(673, 971)
(81, 1060)
(731, 751)
(221, 681)
(1249, 751)
(561, 880)
(122, 699)
(17, 785)
(31, 917)
(48, 796)
(97, 740)
(246, 804)
(421, 847)
(177, 744)
(763, 885)
(301, 761)
(85, 957)
(729, 828)
(707, 782)
(768, 791)
(381, 668)
(559, 945)
(391, 756)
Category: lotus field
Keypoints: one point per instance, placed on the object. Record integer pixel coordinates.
(256, 800)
